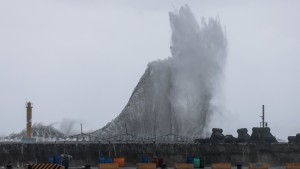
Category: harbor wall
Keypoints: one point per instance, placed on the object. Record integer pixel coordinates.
(88, 153)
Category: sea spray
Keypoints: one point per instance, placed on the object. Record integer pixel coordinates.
(174, 95)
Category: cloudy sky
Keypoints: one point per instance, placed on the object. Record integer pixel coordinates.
(80, 60)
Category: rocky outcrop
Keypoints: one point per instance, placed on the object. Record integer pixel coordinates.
(229, 139)
(294, 139)
(243, 136)
(262, 135)
(217, 136)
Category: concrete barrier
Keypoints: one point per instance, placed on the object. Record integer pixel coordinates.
(184, 166)
(146, 165)
(293, 166)
(275, 154)
(221, 166)
(258, 166)
(108, 166)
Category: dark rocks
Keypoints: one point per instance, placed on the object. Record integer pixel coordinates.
(259, 135)
(217, 130)
(217, 136)
(297, 138)
(243, 136)
(292, 139)
(262, 135)
(202, 141)
(229, 139)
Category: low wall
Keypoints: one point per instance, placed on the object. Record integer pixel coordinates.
(88, 153)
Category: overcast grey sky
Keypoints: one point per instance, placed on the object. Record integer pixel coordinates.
(81, 60)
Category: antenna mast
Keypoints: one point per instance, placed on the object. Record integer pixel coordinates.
(263, 124)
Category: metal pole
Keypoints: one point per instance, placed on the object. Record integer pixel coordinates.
(81, 130)
(263, 115)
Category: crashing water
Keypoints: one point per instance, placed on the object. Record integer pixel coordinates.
(174, 95)
(40, 132)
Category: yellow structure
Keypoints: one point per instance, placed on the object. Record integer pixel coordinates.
(184, 166)
(221, 166)
(108, 166)
(293, 166)
(146, 165)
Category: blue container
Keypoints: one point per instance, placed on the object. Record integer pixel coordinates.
(58, 160)
(101, 160)
(190, 160)
(145, 160)
(51, 160)
(108, 160)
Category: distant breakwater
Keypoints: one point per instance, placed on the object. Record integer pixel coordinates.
(88, 153)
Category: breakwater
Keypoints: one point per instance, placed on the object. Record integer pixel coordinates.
(88, 153)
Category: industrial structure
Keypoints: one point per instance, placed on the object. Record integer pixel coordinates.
(29, 120)
(28, 138)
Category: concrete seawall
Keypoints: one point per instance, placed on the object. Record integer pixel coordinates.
(88, 153)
